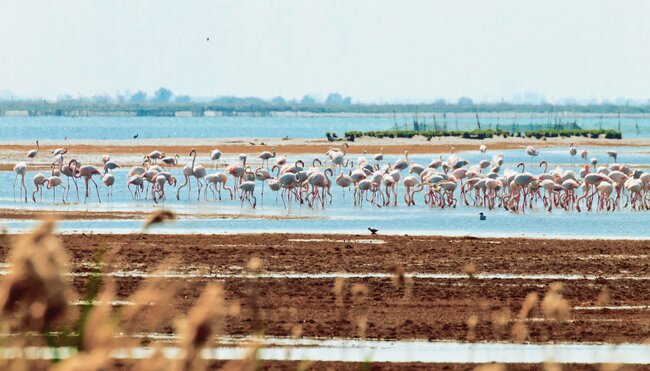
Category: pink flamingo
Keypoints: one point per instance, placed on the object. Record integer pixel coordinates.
(266, 156)
(21, 170)
(32, 153)
(138, 182)
(86, 172)
(53, 182)
(39, 179)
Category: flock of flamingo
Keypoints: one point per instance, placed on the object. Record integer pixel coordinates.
(443, 183)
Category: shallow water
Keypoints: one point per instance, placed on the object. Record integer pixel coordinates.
(341, 216)
(345, 350)
(294, 275)
(58, 128)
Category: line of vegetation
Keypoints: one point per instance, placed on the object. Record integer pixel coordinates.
(479, 134)
(258, 107)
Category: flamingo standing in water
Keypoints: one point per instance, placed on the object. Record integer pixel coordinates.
(21, 170)
(584, 154)
(199, 172)
(266, 156)
(613, 154)
(247, 193)
(39, 179)
(67, 171)
(215, 156)
(86, 172)
(109, 180)
(532, 152)
(138, 182)
(572, 151)
(53, 182)
(32, 153)
(482, 148)
(380, 156)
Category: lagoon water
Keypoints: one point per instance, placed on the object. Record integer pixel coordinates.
(77, 128)
(341, 216)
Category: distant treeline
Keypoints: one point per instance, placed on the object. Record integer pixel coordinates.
(234, 108)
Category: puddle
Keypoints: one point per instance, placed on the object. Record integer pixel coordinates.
(344, 350)
(271, 275)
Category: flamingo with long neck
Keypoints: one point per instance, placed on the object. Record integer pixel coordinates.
(21, 170)
(86, 172)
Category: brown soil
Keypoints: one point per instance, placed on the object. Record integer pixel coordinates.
(427, 309)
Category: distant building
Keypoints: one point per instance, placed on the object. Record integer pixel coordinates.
(17, 113)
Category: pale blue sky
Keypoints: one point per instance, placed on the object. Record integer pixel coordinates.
(371, 50)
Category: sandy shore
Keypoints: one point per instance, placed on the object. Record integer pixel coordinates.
(131, 152)
(426, 308)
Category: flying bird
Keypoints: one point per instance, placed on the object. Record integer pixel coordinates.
(136, 136)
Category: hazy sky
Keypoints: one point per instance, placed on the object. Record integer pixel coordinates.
(371, 50)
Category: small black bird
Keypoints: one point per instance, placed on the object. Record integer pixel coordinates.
(373, 230)
(482, 217)
(207, 39)
(136, 136)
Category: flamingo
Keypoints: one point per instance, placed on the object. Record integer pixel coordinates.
(155, 156)
(613, 154)
(86, 172)
(32, 153)
(69, 172)
(380, 156)
(199, 172)
(532, 152)
(402, 163)
(21, 170)
(248, 188)
(482, 148)
(584, 154)
(39, 179)
(215, 156)
(53, 182)
(572, 151)
(218, 181)
(109, 180)
(137, 181)
(169, 161)
(266, 156)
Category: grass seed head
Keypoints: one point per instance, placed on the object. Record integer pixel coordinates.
(528, 307)
(35, 292)
(554, 306)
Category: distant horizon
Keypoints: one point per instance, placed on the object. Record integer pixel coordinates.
(528, 99)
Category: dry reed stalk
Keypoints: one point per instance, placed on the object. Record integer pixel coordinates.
(339, 283)
(359, 293)
(501, 320)
(470, 270)
(529, 305)
(554, 306)
(362, 326)
(472, 322)
(253, 267)
(35, 295)
(604, 297)
(199, 325)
